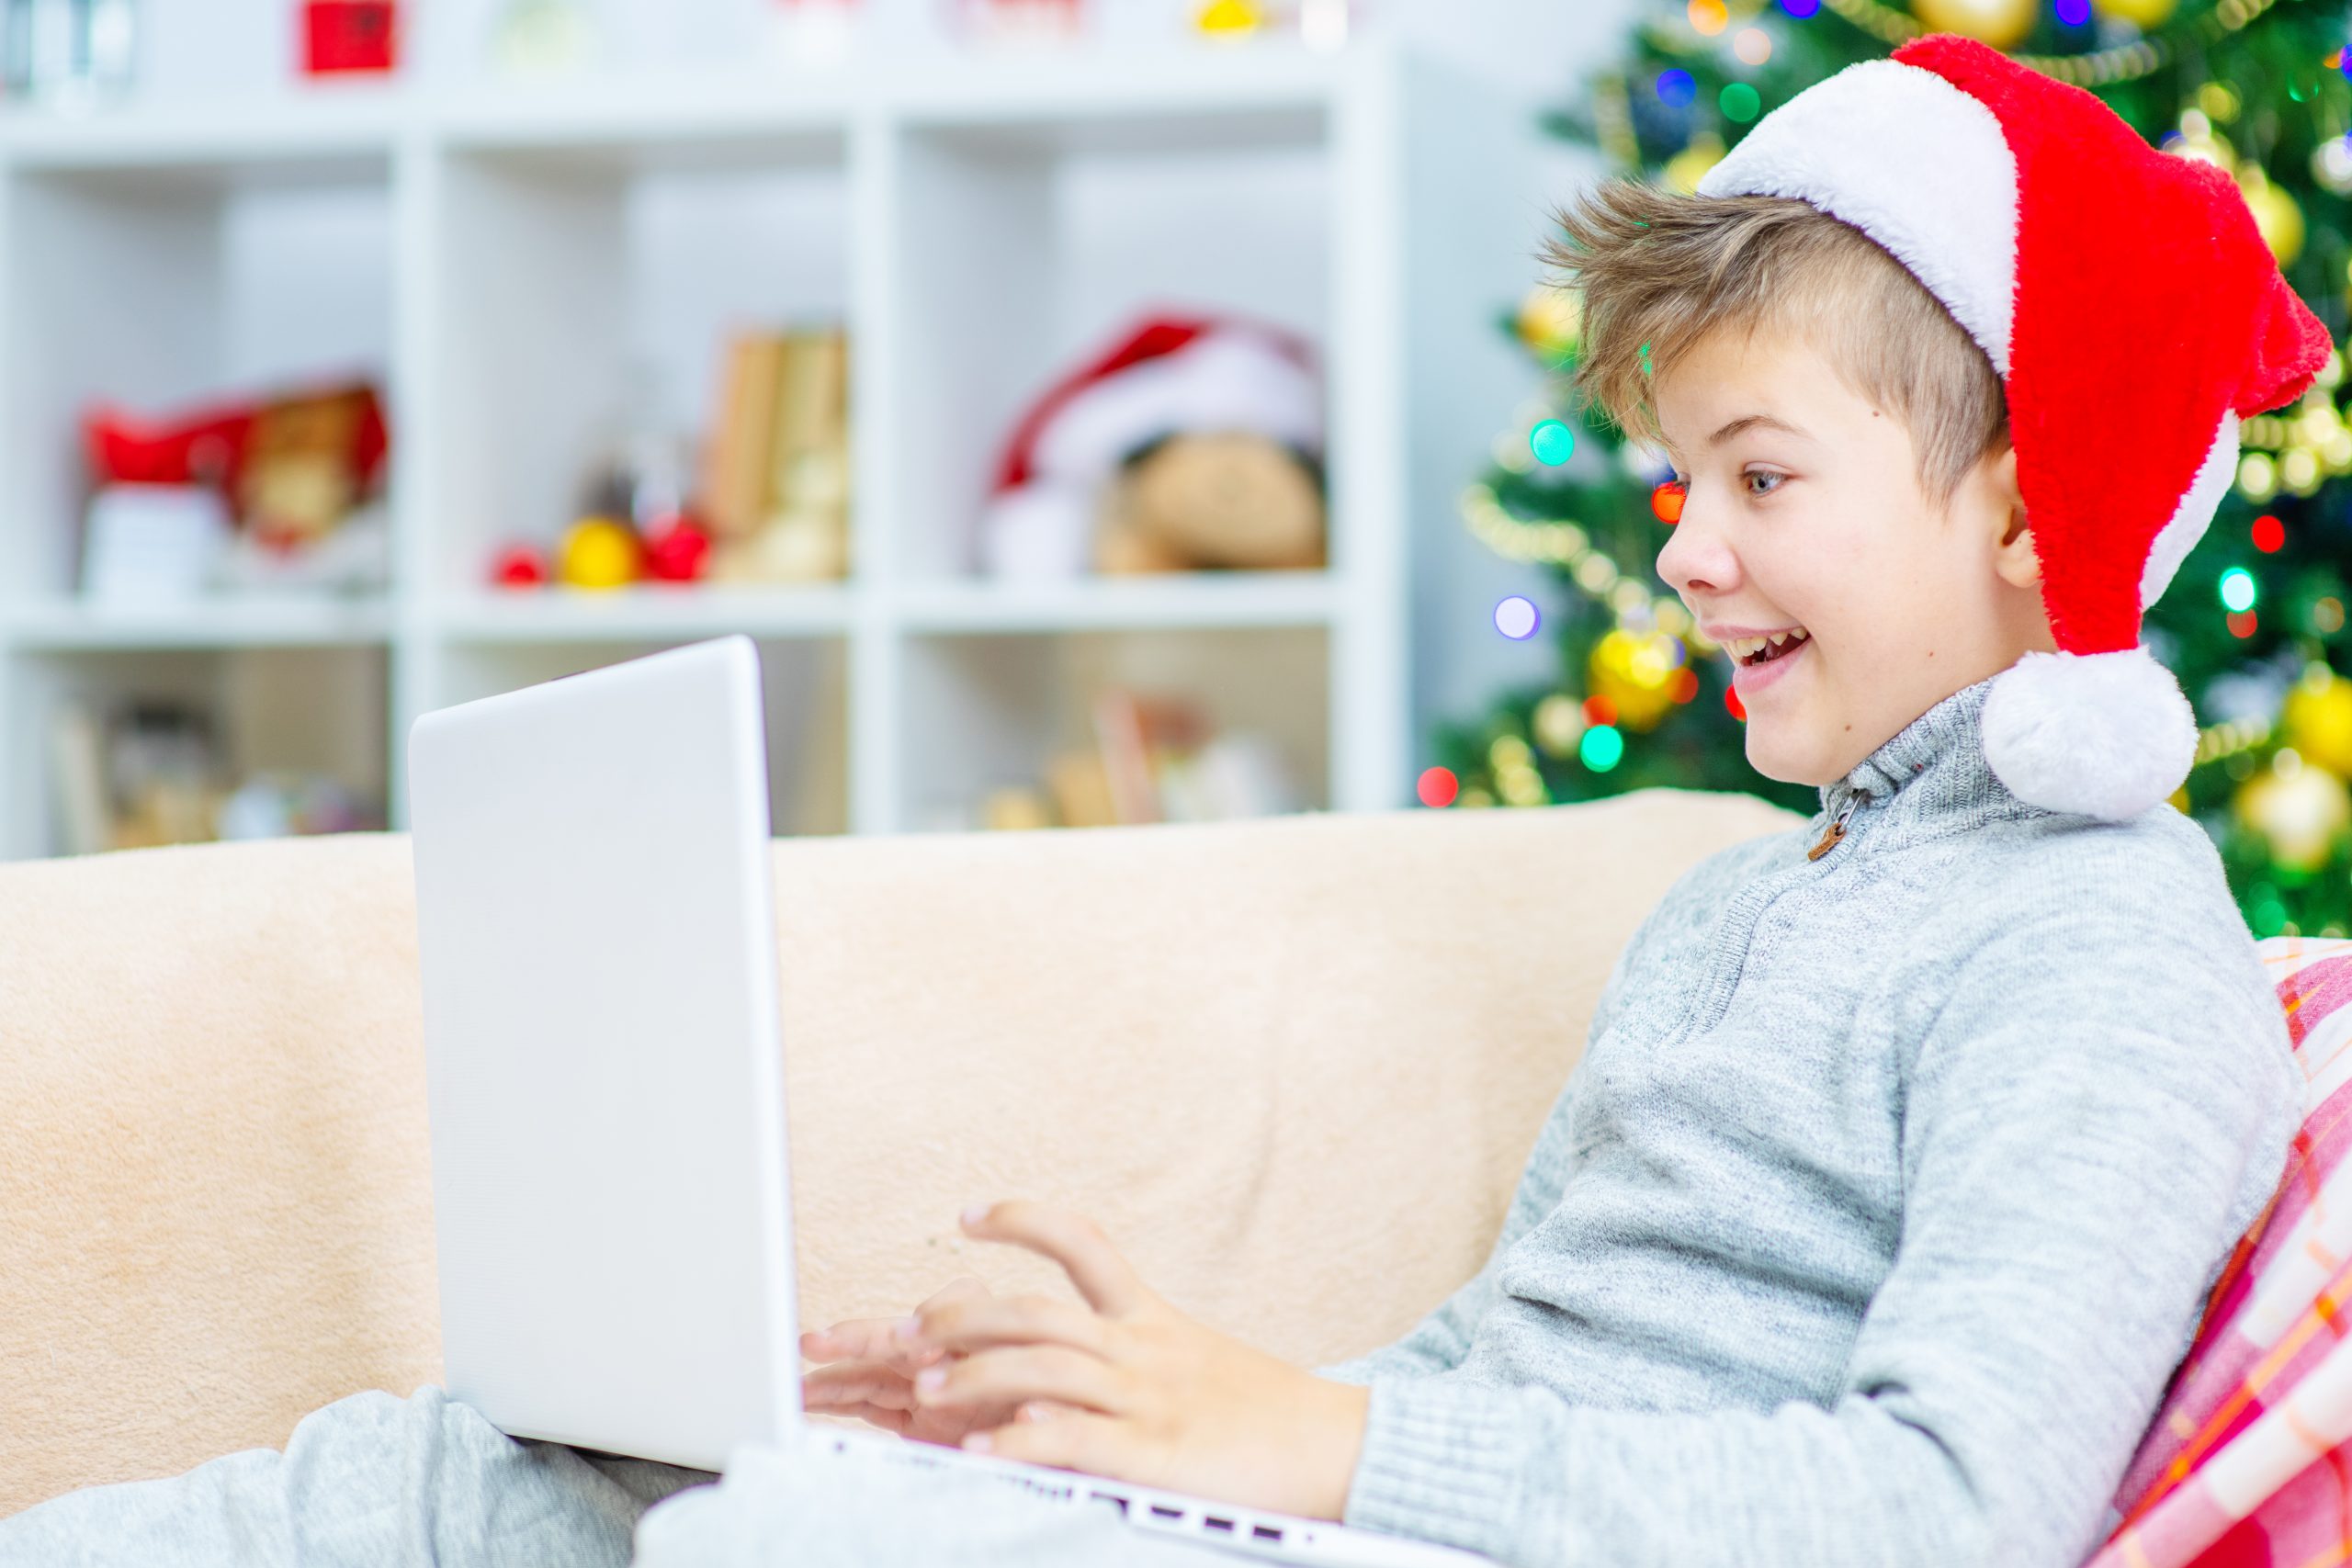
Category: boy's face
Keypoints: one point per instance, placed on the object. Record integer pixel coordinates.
(1823, 527)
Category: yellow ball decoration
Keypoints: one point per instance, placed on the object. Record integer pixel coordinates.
(598, 552)
(2004, 24)
(2299, 809)
(2275, 216)
(1550, 319)
(1635, 671)
(2318, 720)
(2145, 15)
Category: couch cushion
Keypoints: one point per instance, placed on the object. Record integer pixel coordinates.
(1292, 1065)
(2227, 1473)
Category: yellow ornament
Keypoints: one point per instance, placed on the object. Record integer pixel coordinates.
(598, 552)
(1550, 319)
(2275, 216)
(1684, 170)
(2318, 720)
(2145, 15)
(1635, 671)
(1229, 19)
(2299, 809)
(2004, 24)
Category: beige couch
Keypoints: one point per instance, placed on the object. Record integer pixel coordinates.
(1292, 1065)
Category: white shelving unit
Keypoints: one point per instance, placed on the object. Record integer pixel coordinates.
(507, 261)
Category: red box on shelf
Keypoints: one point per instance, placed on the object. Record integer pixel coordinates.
(347, 36)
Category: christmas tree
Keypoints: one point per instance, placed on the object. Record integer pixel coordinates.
(2254, 622)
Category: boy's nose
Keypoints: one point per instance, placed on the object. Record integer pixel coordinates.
(1695, 559)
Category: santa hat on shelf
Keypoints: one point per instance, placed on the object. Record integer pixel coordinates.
(1170, 375)
(2134, 315)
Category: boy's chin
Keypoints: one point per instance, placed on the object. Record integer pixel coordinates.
(1769, 755)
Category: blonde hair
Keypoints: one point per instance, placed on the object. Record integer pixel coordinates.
(1659, 270)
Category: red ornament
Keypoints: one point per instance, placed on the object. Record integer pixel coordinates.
(518, 566)
(341, 36)
(677, 552)
(1666, 500)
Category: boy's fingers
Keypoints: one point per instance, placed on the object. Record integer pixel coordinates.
(1067, 1439)
(880, 1338)
(965, 1326)
(1109, 1284)
(828, 1388)
(860, 1339)
(1016, 1374)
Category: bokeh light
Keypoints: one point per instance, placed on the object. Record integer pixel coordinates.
(1552, 442)
(1708, 18)
(2270, 534)
(1800, 9)
(1516, 618)
(2242, 623)
(1753, 45)
(2237, 589)
(1601, 749)
(1439, 787)
(1740, 102)
(1599, 709)
(2072, 13)
(1675, 88)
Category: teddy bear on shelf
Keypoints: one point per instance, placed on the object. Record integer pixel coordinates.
(1193, 444)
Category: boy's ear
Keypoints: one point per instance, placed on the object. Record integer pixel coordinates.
(2012, 555)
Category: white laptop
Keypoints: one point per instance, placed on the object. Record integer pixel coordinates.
(606, 1078)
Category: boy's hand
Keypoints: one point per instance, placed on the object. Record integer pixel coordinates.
(871, 1367)
(1131, 1389)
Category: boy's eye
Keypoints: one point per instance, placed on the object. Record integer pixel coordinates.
(1762, 474)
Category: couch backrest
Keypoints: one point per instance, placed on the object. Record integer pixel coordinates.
(1292, 1065)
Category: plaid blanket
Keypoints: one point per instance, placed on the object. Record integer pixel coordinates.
(2248, 1460)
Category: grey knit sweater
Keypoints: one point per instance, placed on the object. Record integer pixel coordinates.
(1883, 1203)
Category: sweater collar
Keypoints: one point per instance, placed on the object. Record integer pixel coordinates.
(1934, 766)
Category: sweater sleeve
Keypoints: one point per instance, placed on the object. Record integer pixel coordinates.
(2082, 1130)
(1441, 1340)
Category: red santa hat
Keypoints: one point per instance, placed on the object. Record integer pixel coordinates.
(2134, 315)
(1171, 374)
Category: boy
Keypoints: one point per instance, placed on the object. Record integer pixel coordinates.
(1907, 1145)
(1884, 1198)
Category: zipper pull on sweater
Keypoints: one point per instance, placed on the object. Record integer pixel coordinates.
(1837, 828)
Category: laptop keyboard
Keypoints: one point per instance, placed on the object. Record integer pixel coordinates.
(1063, 1486)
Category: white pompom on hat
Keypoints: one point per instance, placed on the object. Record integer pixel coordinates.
(2134, 315)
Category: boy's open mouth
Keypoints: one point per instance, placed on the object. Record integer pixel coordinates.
(1764, 649)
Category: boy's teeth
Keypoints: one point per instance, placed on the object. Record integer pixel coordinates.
(1744, 648)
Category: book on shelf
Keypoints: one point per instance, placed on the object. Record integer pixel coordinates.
(775, 485)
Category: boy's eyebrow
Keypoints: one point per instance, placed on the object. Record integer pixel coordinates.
(1747, 421)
